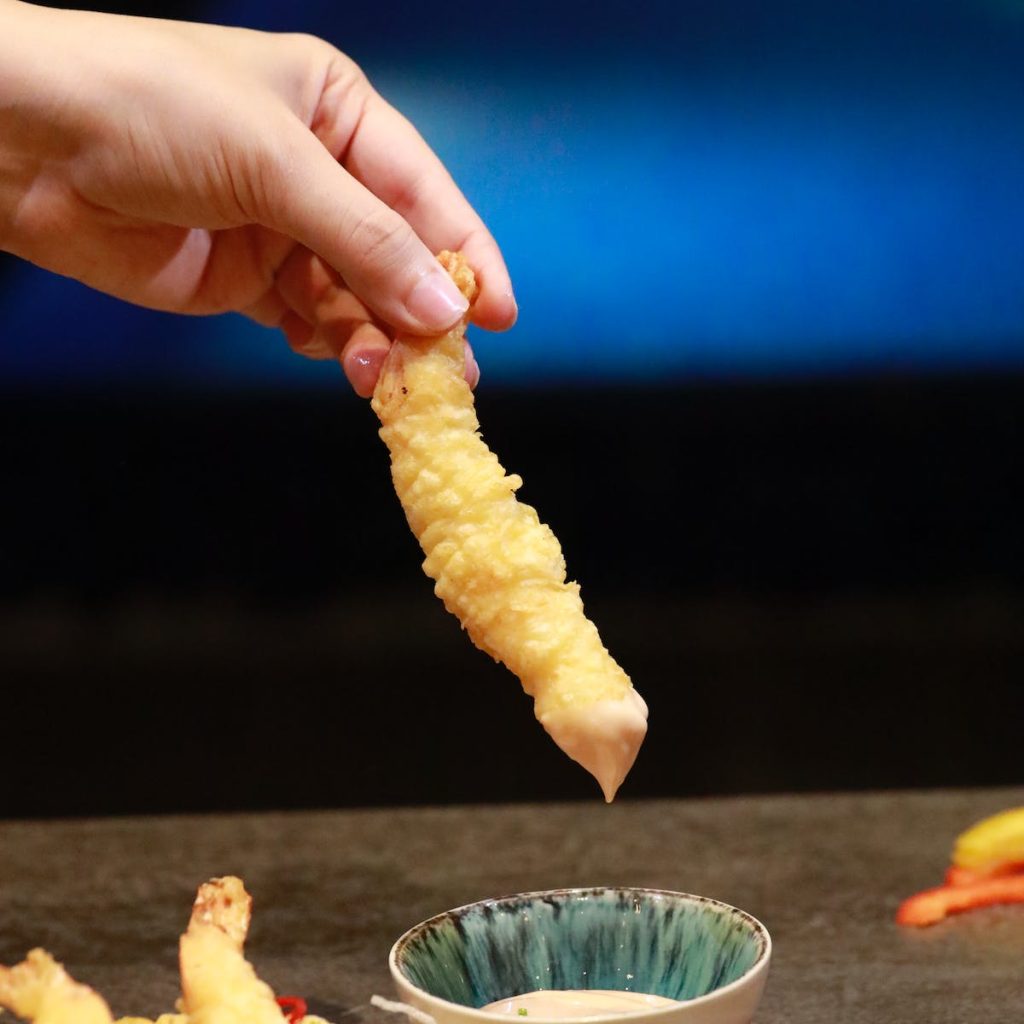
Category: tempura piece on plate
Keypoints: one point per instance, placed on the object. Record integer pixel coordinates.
(40, 990)
(497, 568)
(219, 986)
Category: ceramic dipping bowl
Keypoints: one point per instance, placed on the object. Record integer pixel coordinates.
(712, 957)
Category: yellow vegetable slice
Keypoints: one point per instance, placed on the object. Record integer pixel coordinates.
(496, 567)
(991, 841)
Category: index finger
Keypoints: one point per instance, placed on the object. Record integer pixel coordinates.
(388, 156)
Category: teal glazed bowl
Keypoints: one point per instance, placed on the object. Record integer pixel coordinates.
(711, 957)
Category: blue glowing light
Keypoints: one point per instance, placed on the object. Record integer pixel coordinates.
(699, 194)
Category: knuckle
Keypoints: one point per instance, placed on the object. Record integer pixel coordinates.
(340, 67)
(306, 44)
(346, 92)
(381, 239)
(344, 70)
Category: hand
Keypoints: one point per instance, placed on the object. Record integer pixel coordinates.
(202, 169)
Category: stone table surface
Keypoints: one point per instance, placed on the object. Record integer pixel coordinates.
(334, 889)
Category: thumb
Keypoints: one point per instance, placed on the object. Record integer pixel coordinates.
(381, 258)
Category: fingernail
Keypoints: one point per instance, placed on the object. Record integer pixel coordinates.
(362, 370)
(435, 301)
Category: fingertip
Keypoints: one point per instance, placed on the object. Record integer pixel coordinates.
(495, 308)
(363, 358)
(511, 310)
(496, 312)
(363, 370)
(472, 368)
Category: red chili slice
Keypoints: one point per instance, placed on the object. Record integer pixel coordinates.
(967, 876)
(934, 904)
(294, 1008)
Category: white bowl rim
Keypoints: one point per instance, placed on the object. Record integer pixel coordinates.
(757, 968)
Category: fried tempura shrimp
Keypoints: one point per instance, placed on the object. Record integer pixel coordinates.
(497, 568)
(40, 990)
(219, 986)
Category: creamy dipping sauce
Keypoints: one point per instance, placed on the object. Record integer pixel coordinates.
(603, 737)
(564, 1005)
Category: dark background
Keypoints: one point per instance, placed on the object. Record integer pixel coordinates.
(209, 598)
(215, 603)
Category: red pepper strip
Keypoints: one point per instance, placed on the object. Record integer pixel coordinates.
(934, 904)
(294, 1008)
(966, 876)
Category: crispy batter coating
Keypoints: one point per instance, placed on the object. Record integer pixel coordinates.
(496, 566)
